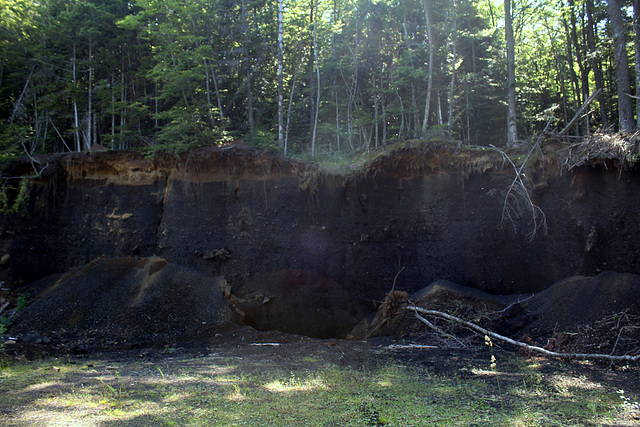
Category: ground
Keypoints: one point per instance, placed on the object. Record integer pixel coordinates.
(59, 371)
(269, 378)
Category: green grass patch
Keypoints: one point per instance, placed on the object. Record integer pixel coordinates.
(304, 391)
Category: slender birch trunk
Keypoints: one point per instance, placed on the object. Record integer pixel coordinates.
(425, 120)
(280, 76)
(512, 132)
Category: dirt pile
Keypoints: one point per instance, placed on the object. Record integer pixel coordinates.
(128, 303)
(579, 300)
(125, 303)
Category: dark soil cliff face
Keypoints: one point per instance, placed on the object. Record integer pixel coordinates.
(244, 214)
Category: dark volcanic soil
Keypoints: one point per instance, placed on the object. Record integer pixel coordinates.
(148, 303)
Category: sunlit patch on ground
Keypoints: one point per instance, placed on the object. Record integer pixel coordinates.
(307, 385)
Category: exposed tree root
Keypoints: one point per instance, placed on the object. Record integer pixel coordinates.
(581, 356)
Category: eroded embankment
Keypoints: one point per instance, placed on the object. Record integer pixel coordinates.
(242, 214)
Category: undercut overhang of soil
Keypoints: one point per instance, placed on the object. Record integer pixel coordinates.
(277, 228)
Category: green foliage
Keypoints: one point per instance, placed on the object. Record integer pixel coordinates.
(127, 74)
(13, 198)
(264, 139)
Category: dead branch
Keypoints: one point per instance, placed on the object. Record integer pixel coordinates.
(580, 356)
(412, 346)
(518, 190)
(579, 112)
(395, 279)
(599, 148)
(438, 330)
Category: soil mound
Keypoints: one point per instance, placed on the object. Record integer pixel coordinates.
(296, 302)
(579, 314)
(125, 303)
(580, 300)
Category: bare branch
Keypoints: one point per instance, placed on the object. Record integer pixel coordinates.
(581, 356)
(579, 112)
(438, 330)
(518, 191)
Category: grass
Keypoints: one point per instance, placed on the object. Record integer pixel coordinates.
(227, 391)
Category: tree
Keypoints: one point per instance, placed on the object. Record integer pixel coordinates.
(636, 44)
(512, 134)
(427, 103)
(596, 64)
(625, 107)
(280, 76)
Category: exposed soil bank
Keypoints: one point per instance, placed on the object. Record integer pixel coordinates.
(244, 214)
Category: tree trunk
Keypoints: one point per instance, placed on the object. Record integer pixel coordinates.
(90, 99)
(414, 103)
(453, 67)
(425, 120)
(315, 58)
(512, 133)
(293, 86)
(376, 100)
(563, 89)
(247, 65)
(335, 94)
(584, 71)
(312, 101)
(401, 130)
(636, 43)
(113, 112)
(123, 112)
(572, 73)
(75, 103)
(625, 106)
(596, 65)
(280, 77)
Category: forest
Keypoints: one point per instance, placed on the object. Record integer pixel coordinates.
(312, 78)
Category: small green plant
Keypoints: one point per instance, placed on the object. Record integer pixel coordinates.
(494, 366)
(22, 302)
(4, 326)
(112, 395)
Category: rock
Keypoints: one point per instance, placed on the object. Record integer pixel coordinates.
(32, 337)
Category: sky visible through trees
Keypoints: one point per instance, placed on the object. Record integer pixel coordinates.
(320, 77)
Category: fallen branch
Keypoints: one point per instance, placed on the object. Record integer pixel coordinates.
(581, 356)
(438, 330)
(406, 346)
(579, 112)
